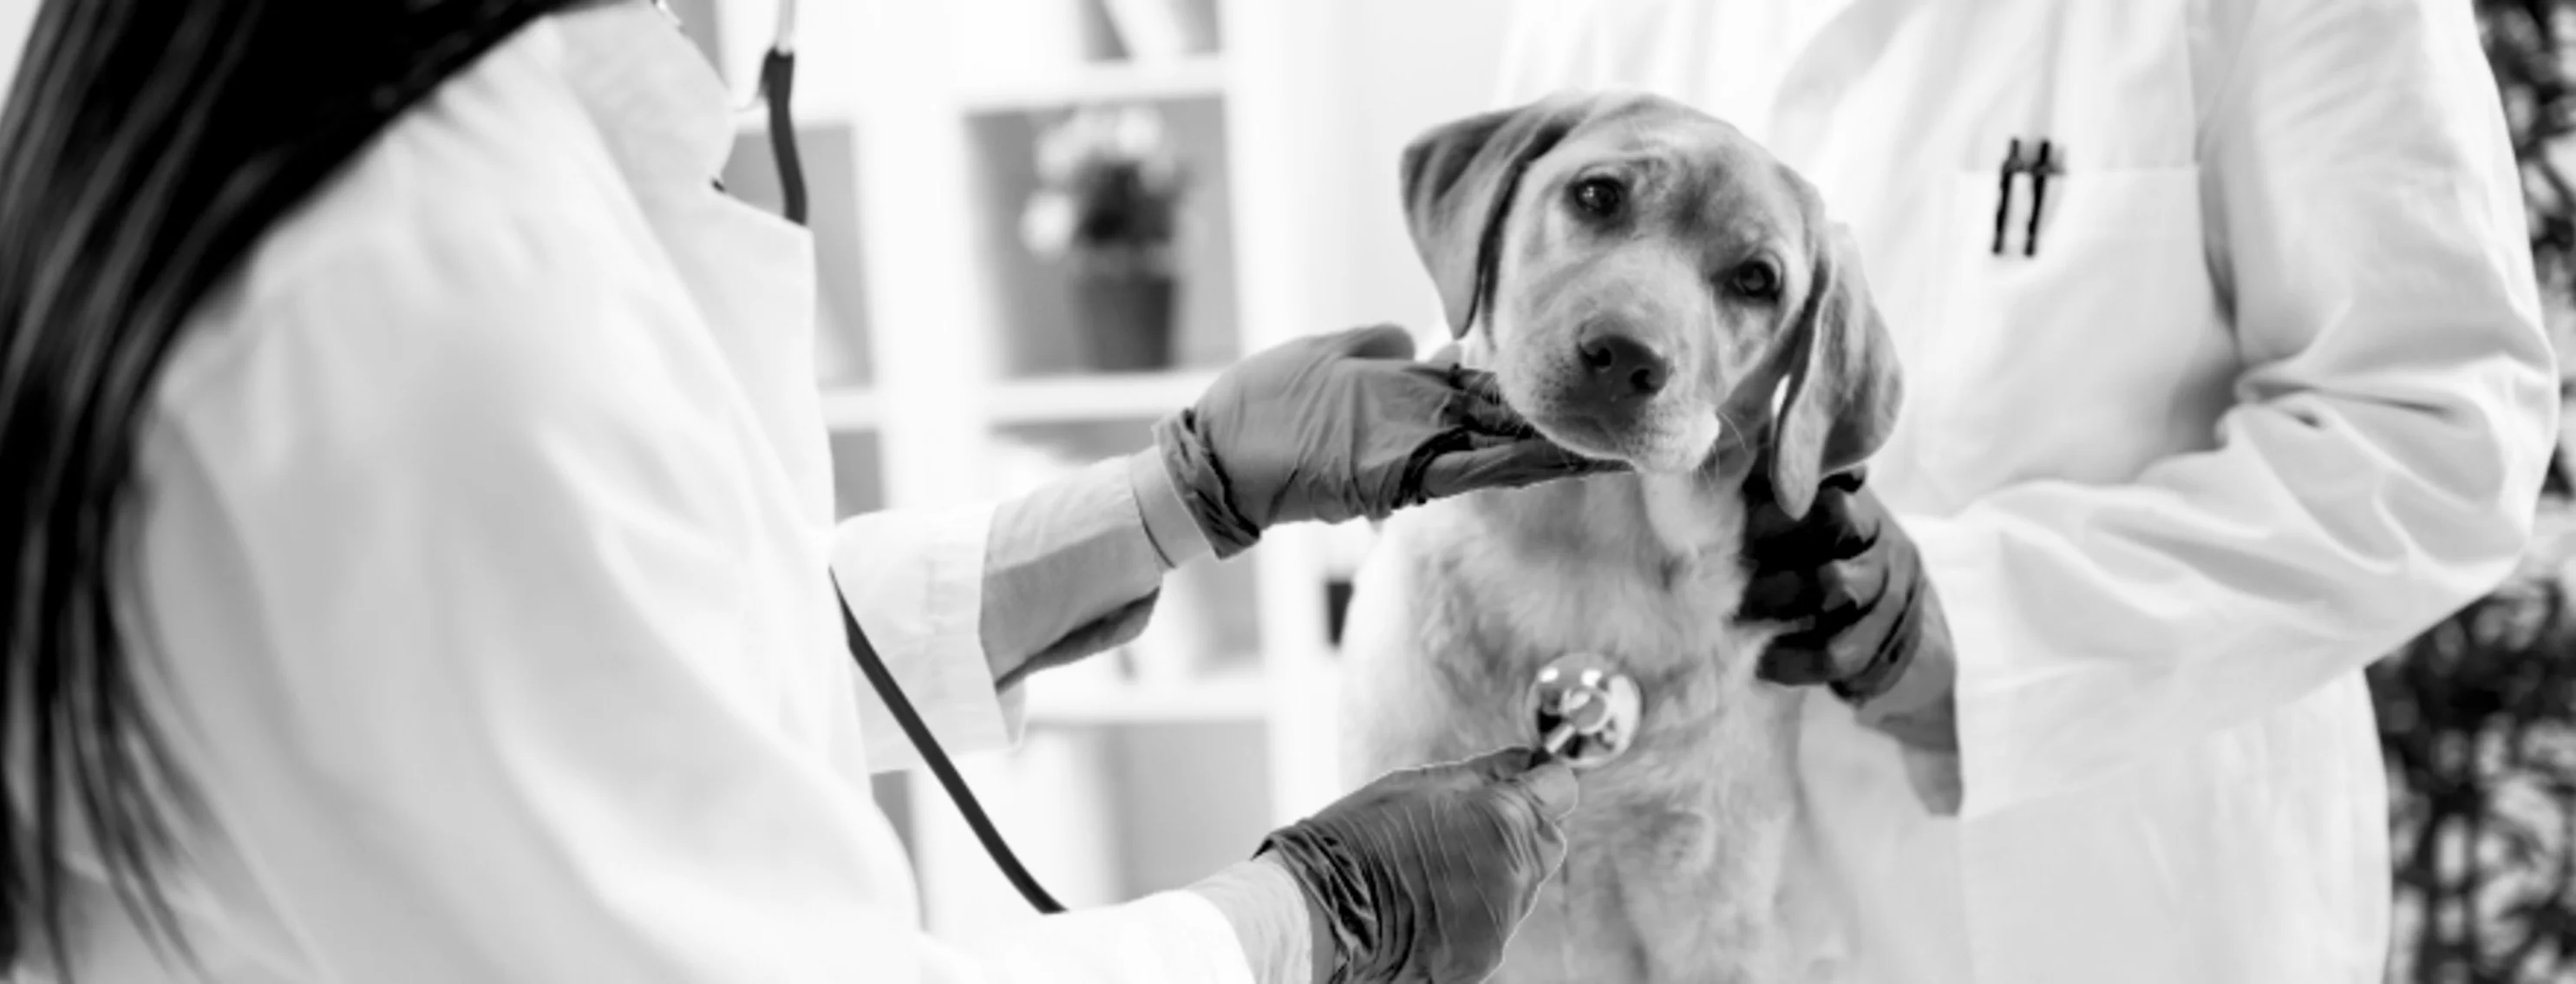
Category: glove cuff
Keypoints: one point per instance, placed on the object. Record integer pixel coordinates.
(1202, 485)
(1918, 706)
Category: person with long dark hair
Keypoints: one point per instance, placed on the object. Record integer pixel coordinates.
(418, 564)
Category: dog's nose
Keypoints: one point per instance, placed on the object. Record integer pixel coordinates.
(1619, 366)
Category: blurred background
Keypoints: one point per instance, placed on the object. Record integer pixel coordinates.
(1075, 211)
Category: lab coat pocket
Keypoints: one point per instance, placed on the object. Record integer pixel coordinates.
(2075, 346)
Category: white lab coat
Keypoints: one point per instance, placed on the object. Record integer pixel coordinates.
(488, 521)
(2272, 396)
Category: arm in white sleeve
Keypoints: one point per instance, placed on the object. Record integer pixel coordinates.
(1060, 573)
(2379, 470)
(506, 722)
(953, 600)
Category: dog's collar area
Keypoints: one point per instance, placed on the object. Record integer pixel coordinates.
(1583, 710)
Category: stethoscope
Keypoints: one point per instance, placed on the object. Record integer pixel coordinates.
(777, 90)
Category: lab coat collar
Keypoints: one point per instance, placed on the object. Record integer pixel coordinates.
(660, 107)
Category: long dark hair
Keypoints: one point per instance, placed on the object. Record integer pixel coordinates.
(146, 145)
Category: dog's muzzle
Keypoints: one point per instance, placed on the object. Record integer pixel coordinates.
(1584, 710)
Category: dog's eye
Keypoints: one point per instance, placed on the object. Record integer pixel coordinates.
(1599, 197)
(1757, 280)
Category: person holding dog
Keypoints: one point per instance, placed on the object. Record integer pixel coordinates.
(2225, 375)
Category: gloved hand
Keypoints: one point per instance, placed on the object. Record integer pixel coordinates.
(1867, 623)
(1424, 874)
(1343, 426)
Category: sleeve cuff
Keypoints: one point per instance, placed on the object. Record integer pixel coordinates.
(1269, 917)
(914, 581)
(1206, 938)
(1176, 936)
(1168, 522)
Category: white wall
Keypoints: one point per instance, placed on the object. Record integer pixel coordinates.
(1409, 65)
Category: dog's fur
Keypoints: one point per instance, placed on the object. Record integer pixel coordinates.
(1675, 858)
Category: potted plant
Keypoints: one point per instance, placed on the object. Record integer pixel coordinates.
(1105, 212)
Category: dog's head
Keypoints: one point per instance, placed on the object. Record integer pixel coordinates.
(1651, 286)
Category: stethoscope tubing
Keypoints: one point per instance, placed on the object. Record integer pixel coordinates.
(777, 90)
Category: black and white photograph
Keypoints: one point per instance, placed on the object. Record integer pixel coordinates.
(1287, 492)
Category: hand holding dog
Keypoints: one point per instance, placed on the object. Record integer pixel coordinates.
(1866, 622)
(1346, 426)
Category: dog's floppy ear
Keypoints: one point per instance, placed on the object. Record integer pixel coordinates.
(1459, 179)
(1842, 387)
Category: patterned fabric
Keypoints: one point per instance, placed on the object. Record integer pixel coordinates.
(2478, 721)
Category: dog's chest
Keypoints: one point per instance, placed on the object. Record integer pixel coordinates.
(1493, 609)
(1674, 857)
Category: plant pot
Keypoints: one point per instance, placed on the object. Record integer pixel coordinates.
(1126, 319)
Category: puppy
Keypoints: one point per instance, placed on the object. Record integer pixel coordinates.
(1650, 286)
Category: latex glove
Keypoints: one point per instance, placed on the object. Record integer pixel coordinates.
(1866, 622)
(1344, 426)
(1424, 874)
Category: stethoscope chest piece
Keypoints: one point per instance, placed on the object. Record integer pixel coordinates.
(1584, 710)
